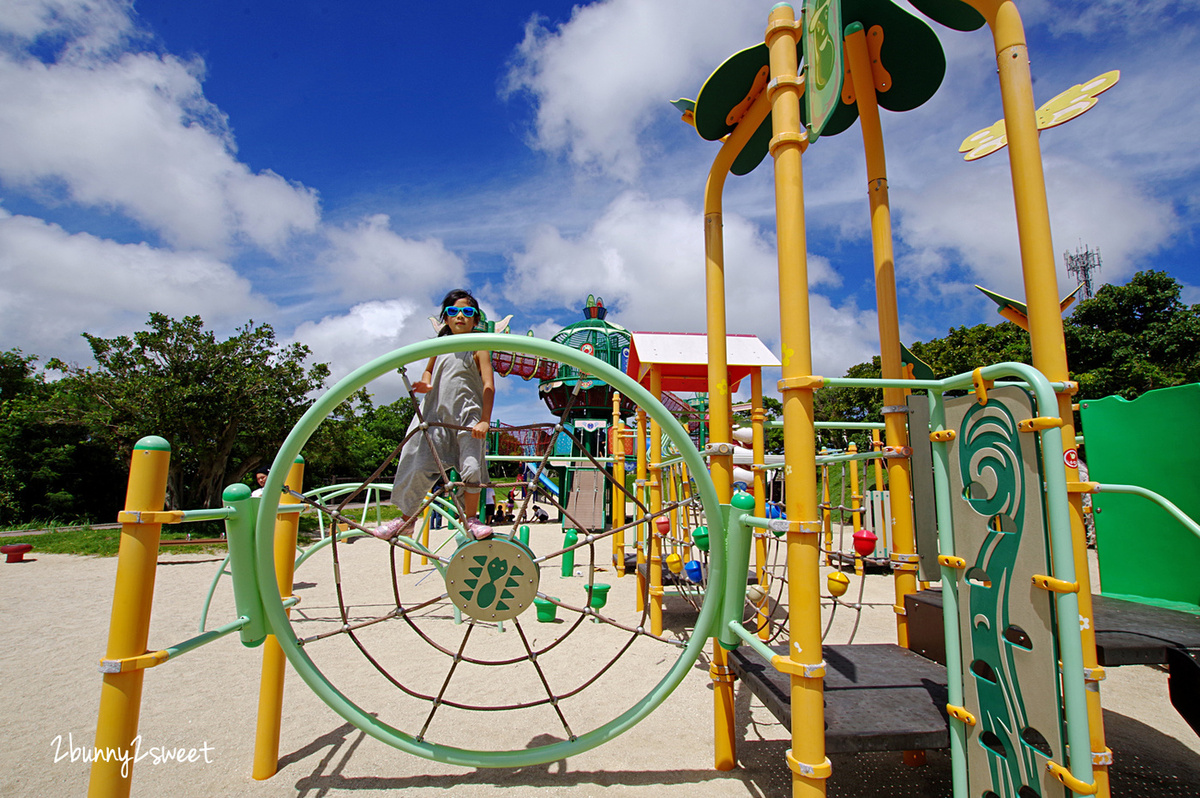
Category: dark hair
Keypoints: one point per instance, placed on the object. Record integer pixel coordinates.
(449, 300)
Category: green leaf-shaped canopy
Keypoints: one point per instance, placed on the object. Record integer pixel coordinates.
(726, 88)
(953, 14)
(911, 53)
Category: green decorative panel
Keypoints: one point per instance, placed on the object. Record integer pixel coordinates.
(1009, 652)
(1152, 442)
(492, 580)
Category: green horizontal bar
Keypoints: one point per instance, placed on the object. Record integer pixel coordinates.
(834, 425)
(216, 634)
(207, 637)
(211, 514)
(752, 640)
(516, 458)
(1161, 501)
(756, 522)
(956, 383)
(846, 458)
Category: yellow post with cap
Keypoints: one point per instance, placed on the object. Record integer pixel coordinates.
(903, 540)
(758, 417)
(270, 694)
(641, 534)
(655, 539)
(806, 758)
(129, 627)
(618, 489)
(720, 408)
(1043, 308)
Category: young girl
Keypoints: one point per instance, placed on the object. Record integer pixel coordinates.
(459, 390)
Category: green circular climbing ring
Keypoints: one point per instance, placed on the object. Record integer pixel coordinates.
(446, 660)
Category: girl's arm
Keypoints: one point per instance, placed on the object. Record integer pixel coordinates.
(426, 382)
(483, 359)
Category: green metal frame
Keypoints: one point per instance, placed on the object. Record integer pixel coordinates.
(277, 620)
(1059, 523)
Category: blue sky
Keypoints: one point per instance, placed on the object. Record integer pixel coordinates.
(334, 168)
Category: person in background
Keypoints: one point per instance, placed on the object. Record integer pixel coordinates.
(260, 479)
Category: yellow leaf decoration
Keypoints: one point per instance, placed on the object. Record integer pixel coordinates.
(1063, 107)
(1075, 100)
(984, 142)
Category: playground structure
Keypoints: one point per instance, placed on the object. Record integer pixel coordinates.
(1022, 682)
(254, 555)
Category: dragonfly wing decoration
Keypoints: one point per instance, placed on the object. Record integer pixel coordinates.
(1063, 107)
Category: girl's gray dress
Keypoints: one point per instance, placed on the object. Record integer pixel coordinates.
(455, 396)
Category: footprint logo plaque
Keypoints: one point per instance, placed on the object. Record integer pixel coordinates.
(492, 580)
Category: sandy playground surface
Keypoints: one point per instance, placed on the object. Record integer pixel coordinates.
(56, 614)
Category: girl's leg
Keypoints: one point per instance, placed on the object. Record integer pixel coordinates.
(475, 528)
(416, 471)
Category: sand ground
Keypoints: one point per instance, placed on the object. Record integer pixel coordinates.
(57, 608)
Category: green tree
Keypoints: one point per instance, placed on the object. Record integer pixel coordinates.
(772, 436)
(224, 405)
(1133, 338)
(967, 348)
(353, 443)
(50, 466)
(849, 404)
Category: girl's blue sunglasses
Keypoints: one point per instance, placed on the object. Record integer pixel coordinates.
(452, 311)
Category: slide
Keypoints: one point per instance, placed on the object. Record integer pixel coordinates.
(545, 480)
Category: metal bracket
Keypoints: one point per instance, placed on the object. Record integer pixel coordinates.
(1054, 585)
(821, 771)
(960, 714)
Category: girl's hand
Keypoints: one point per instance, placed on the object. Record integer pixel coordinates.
(421, 387)
(480, 430)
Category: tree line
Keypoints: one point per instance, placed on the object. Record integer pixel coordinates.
(67, 431)
(1126, 340)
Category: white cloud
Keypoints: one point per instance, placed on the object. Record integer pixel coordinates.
(369, 330)
(89, 26)
(365, 332)
(646, 258)
(600, 79)
(57, 285)
(969, 218)
(137, 135)
(368, 258)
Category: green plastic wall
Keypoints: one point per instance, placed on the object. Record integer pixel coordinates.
(1152, 442)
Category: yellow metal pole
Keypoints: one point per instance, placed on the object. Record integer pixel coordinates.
(1044, 312)
(826, 512)
(685, 493)
(129, 624)
(656, 492)
(807, 759)
(720, 408)
(270, 694)
(895, 410)
(641, 530)
(758, 417)
(877, 448)
(406, 563)
(855, 505)
(618, 494)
